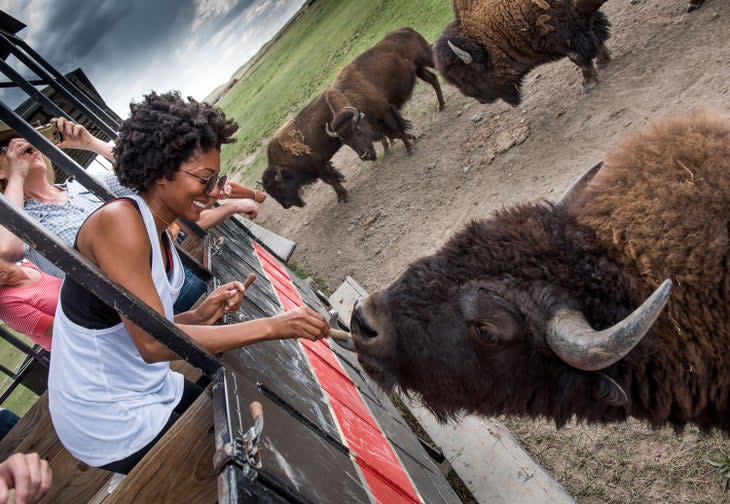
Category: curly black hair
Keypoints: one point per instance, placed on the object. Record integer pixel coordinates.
(164, 131)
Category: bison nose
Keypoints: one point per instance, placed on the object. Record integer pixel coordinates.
(359, 324)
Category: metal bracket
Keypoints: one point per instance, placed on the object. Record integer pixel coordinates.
(244, 452)
(216, 247)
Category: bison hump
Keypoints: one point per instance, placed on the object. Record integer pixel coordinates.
(291, 139)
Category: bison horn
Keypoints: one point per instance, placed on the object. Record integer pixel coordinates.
(330, 132)
(461, 54)
(573, 340)
(578, 185)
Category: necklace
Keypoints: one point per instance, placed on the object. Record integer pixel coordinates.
(167, 224)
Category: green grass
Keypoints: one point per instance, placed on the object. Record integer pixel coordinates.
(305, 59)
(317, 282)
(21, 399)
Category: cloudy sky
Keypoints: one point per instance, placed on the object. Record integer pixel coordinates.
(130, 47)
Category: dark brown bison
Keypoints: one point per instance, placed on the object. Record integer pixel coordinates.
(360, 107)
(534, 311)
(492, 44)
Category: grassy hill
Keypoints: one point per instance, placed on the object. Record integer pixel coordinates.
(304, 59)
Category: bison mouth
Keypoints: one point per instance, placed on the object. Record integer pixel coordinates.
(372, 353)
(359, 324)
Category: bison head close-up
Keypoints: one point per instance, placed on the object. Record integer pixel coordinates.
(468, 341)
(353, 130)
(284, 185)
(463, 63)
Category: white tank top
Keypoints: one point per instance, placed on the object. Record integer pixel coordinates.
(105, 401)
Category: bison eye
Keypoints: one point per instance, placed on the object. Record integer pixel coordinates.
(486, 334)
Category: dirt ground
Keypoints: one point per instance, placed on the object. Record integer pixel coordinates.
(471, 159)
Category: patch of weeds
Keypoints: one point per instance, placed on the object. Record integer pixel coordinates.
(721, 461)
(317, 283)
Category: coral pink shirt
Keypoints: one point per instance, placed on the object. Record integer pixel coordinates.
(30, 309)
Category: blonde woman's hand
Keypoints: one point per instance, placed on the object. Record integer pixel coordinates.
(75, 136)
(28, 474)
(19, 153)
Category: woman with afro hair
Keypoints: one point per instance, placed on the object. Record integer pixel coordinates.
(111, 391)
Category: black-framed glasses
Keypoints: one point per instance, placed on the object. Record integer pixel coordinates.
(211, 182)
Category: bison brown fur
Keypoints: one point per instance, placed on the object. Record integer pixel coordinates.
(467, 329)
(492, 44)
(360, 107)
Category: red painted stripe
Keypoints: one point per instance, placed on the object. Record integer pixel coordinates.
(384, 474)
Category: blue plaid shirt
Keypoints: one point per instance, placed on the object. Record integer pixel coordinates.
(65, 219)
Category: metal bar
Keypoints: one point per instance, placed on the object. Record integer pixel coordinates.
(112, 121)
(6, 393)
(32, 91)
(91, 278)
(20, 345)
(7, 371)
(63, 161)
(37, 82)
(40, 72)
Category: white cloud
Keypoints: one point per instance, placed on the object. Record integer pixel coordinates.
(206, 9)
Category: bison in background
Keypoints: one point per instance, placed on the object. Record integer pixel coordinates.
(534, 311)
(694, 5)
(492, 44)
(360, 107)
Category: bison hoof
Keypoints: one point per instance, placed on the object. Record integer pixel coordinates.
(589, 86)
(692, 8)
(343, 198)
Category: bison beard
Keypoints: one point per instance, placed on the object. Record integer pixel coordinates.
(468, 329)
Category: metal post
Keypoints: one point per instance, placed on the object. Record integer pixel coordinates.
(20, 345)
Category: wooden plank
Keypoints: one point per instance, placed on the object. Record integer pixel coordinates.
(187, 370)
(297, 460)
(281, 247)
(180, 466)
(73, 480)
(282, 367)
(9, 444)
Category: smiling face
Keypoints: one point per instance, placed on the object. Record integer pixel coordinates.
(184, 196)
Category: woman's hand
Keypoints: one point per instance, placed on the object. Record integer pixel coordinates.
(75, 136)
(247, 207)
(301, 322)
(28, 474)
(19, 153)
(225, 299)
